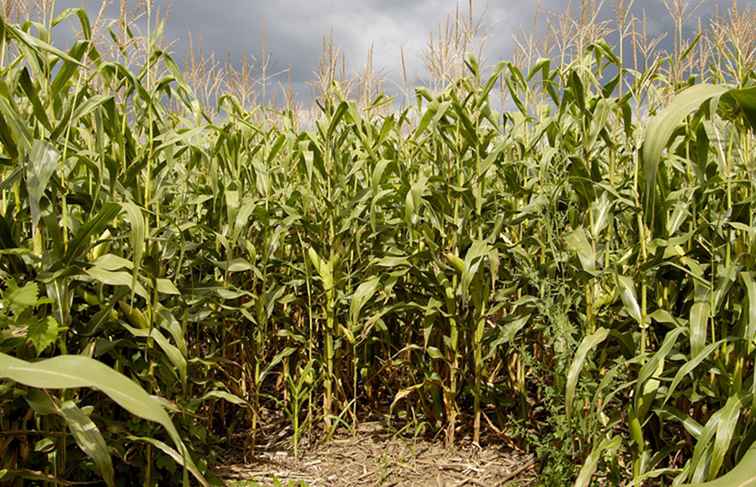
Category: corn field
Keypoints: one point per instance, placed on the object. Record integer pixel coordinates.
(571, 272)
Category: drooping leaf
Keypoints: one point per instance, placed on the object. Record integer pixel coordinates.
(36, 43)
(361, 296)
(76, 371)
(117, 278)
(743, 475)
(110, 262)
(661, 127)
(90, 440)
(286, 352)
(175, 456)
(745, 100)
(473, 258)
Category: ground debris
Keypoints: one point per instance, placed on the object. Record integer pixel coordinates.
(375, 457)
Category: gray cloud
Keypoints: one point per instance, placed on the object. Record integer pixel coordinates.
(293, 29)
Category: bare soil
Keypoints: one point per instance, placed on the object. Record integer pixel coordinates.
(375, 457)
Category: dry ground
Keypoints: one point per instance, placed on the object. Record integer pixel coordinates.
(375, 457)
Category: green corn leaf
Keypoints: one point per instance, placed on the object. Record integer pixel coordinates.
(341, 110)
(86, 27)
(88, 106)
(699, 318)
(323, 267)
(542, 64)
(93, 227)
(745, 99)
(456, 262)
(507, 333)
(434, 353)
(601, 215)
(361, 296)
(35, 43)
(704, 453)
(68, 70)
(286, 352)
(14, 133)
(425, 120)
(725, 432)
(577, 241)
(32, 93)
(172, 352)
(43, 161)
(378, 172)
(473, 258)
(750, 284)
(691, 425)
(138, 232)
(648, 389)
(598, 122)
(111, 262)
(90, 440)
(691, 364)
(743, 475)
(414, 199)
(630, 298)
(118, 278)
(175, 456)
(41, 402)
(75, 371)
(607, 446)
(166, 286)
(493, 79)
(586, 345)
(661, 127)
(679, 215)
(225, 396)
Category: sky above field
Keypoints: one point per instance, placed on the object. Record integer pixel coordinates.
(292, 30)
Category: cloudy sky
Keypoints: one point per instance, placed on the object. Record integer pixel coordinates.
(293, 30)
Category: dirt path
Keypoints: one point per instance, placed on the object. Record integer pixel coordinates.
(376, 458)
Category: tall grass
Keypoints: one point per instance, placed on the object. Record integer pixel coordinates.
(574, 276)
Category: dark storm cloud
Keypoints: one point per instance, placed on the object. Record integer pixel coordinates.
(292, 30)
